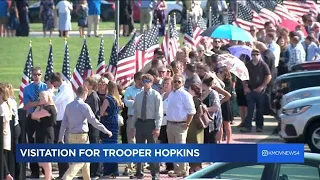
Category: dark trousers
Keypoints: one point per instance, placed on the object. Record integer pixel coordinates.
(5, 163)
(63, 167)
(164, 140)
(32, 125)
(144, 130)
(17, 168)
(95, 168)
(255, 100)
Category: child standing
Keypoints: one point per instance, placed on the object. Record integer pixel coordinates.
(82, 12)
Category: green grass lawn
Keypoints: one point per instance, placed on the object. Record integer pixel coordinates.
(14, 51)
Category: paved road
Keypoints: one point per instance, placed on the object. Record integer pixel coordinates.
(238, 138)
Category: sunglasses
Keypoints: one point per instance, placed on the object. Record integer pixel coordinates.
(36, 74)
(177, 81)
(146, 81)
(217, 41)
(255, 54)
(252, 30)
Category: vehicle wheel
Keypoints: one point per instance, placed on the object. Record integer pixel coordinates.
(178, 15)
(313, 138)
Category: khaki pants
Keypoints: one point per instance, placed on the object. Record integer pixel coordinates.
(75, 167)
(131, 140)
(146, 15)
(178, 135)
(93, 19)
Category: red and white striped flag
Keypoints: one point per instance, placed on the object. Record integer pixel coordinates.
(146, 44)
(171, 43)
(112, 67)
(101, 67)
(280, 10)
(301, 7)
(83, 68)
(200, 27)
(126, 66)
(26, 76)
(265, 14)
(246, 18)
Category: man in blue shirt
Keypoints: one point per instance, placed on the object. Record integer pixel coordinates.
(311, 48)
(31, 101)
(94, 16)
(146, 13)
(4, 9)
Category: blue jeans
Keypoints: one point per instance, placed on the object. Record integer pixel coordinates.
(255, 100)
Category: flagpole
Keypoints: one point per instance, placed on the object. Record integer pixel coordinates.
(168, 41)
(210, 16)
(117, 22)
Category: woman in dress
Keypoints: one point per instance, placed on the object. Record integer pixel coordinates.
(82, 11)
(46, 15)
(6, 113)
(64, 8)
(159, 14)
(13, 19)
(283, 42)
(109, 118)
(195, 135)
(23, 9)
(227, 114)
(46, 114)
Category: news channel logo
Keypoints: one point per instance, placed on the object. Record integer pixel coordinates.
(265, 153)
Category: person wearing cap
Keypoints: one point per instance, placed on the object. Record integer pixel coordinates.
(254, 88)
(192, 76)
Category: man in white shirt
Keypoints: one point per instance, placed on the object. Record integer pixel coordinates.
(64, 96)
(180, 111)
(274, 47)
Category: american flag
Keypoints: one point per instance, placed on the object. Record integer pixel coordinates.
(247, 17)
(265, 14)
(66, 72)
(188, 35)
(301, 7)
(49, 69)
(200, 27)
(83, 68)
(146, 44)
(280, 10)
(101, 64)
(26, 76)
(215, 21)
(126, 66)
(112, 67)
(170, 43)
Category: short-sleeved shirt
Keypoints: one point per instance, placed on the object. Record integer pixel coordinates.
(64, 7)
(257, 74)
(94, 7)
(3, 8)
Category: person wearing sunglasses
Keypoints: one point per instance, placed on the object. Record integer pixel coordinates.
(31, 100)
(147, 120)
(180, 112)
(254, 88)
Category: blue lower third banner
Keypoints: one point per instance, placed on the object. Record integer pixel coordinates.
(253, 153)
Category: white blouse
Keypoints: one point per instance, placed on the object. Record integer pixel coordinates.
(7, 116)
(165, 105)
(64, 7)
